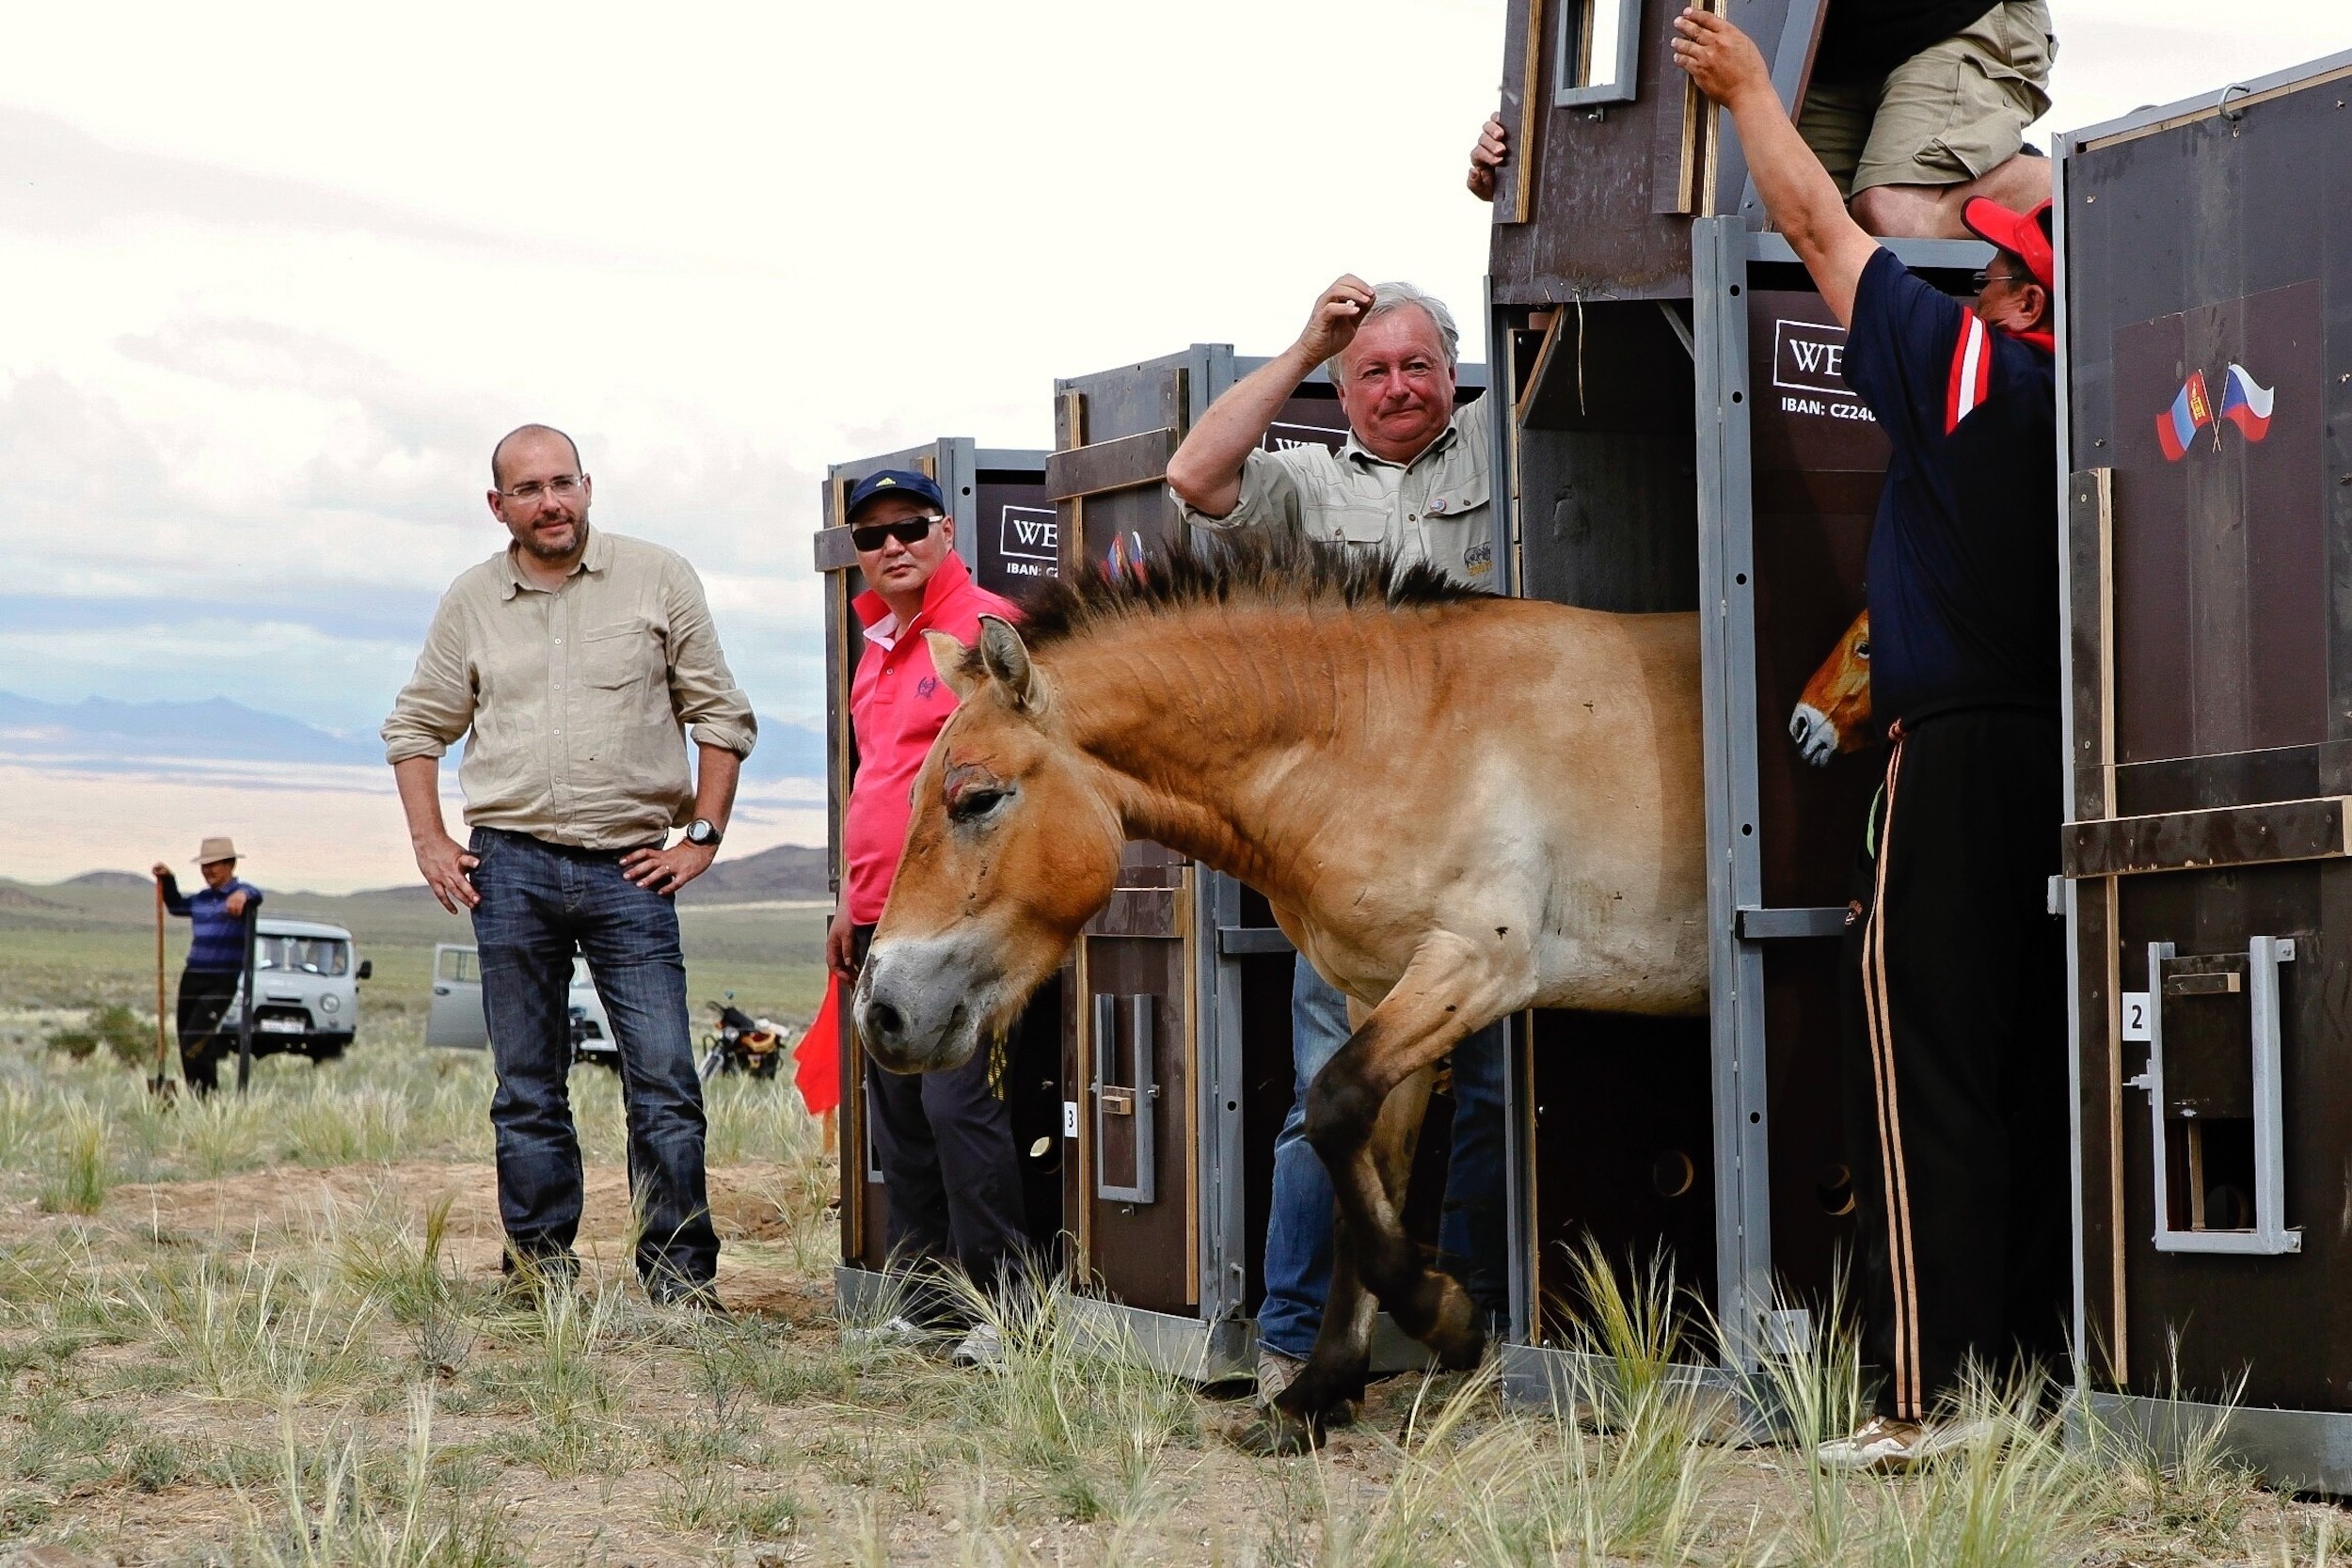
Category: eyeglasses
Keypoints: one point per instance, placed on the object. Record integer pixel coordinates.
(563, 487)
(1986, 276)
(914, 530)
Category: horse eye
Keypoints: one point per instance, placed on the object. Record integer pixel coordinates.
(974, 803)
(1862, 650)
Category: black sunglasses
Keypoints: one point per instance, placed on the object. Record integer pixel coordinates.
(914, 530)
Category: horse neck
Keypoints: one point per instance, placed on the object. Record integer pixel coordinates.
(1216, 730)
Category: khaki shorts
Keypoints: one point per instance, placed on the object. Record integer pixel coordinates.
(1953, 112)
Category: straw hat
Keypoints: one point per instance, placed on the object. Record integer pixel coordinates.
(215, 849)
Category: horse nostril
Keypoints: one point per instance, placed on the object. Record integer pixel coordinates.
(883, 1020)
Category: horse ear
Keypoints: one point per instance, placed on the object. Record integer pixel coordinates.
(1007, 657)
(948, 659)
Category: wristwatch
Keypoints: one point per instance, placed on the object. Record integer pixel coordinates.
(700, 832)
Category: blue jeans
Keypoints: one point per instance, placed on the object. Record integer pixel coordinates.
(540, 904)
(1471, 1231)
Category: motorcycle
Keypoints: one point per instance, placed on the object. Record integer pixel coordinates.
(739, 1043)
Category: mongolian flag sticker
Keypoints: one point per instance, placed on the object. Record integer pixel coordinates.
(2191, 411)
(2245, 403)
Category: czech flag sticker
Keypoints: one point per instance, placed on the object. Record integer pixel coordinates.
(2246, 404)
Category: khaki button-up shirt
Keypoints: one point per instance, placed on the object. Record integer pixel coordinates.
(1433, 509)
(577, 699)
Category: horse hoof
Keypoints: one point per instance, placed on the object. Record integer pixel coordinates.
(1270, 1432)
(1457, 1338)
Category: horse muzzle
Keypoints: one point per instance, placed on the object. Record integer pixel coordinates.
(1815, 736)
(919, 1004)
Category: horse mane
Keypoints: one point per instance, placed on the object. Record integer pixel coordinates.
(1250, 566)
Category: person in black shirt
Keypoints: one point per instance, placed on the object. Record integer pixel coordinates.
(1914, 108)
(1956, 1094)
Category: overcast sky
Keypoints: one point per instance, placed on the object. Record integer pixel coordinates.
(279, 275)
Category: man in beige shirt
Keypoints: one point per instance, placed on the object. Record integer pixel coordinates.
(573, 662)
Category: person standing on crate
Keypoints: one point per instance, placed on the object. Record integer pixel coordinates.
(1956, 1073)
(1412, 478)
(216, 966)
(1915, 108)
(943, 1139)
(577, 660)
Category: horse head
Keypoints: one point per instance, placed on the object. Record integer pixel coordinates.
(1012, 847)
(1834, 714)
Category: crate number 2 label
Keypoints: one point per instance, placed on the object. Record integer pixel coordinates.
(2136, 1015)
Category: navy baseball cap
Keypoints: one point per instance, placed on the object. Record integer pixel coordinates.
(898, 482)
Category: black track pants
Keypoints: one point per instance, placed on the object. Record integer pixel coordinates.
(1955, 1110)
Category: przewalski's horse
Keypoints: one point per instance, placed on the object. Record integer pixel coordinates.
(1458, 806)
(1834, 714)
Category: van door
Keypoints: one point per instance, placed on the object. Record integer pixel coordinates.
(457, 1020)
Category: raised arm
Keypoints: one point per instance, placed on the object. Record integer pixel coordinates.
(1205, 473)
(173, 899)
(1797, 191)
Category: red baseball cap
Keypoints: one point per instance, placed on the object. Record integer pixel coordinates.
(2025, 235)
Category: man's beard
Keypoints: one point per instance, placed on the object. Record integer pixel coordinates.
(534, 546)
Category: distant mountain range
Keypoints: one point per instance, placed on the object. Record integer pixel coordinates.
(137, 734)
(789, 871)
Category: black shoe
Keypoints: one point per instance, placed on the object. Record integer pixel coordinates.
(686, 1295)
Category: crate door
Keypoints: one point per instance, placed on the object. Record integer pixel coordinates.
(1131, 1063)
(1611, 1114)
(1817, 462)
(2212, 706)
(1129, 1057)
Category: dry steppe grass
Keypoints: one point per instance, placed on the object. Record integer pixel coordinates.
(266, 1330)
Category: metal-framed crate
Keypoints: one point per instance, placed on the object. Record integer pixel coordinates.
(1005, 535)
(2205, 349)
(1681, 439)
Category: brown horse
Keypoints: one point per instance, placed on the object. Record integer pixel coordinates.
(1458, 806)
(1834, 714)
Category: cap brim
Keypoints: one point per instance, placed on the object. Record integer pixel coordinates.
(2019, 233)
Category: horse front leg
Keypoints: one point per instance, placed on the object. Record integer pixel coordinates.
(1343, 1342)
(1441, 1000)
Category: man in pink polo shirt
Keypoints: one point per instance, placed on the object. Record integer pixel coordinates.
(943, 1139)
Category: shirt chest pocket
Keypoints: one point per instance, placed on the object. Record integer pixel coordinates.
(1454, 495)
(618, 656)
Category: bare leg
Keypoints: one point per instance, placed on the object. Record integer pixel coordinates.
(1932, 211)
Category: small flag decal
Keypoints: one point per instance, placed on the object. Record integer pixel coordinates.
(2191, 411)
(2246, 404)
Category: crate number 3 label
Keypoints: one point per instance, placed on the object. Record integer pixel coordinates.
(1069, 1119)
(2136, 1015)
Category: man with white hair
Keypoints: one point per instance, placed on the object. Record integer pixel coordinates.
(1412, 478)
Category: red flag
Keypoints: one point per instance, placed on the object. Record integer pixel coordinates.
(816, 1060)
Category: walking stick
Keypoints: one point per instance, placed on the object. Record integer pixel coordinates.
(159, 1084)
(244, 992)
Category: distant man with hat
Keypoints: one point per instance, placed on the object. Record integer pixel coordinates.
(215, 963)
(1413, 479)
(1956, 1095)
(943, 1139)
(575, 661)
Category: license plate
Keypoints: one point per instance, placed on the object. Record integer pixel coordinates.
(280, 1025)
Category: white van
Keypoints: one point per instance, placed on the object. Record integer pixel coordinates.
(458, 1021)
(306, 987)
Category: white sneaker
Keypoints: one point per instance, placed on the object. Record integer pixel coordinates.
(982, 1347)
(891, 1331)
(1880, 1442)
